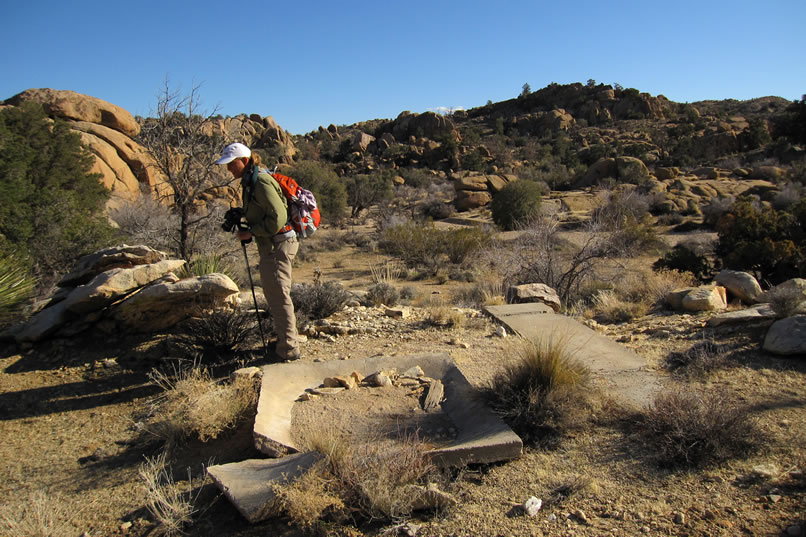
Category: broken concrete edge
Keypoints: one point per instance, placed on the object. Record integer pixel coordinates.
(482, 436)
(250, 485)
(500, 313)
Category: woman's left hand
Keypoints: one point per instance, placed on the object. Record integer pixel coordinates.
(244, 235)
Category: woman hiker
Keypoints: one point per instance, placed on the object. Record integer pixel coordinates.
(265, 208)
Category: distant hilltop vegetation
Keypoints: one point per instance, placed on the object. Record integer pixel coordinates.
(567, 136)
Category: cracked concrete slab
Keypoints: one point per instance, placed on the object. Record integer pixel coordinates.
(617, 369)
(481, 437)
(249, 484)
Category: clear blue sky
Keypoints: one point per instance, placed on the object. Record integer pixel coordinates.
(311, 63)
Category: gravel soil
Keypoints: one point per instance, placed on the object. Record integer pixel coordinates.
(71, 448)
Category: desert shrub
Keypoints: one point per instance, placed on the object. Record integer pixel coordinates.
(382, 293)
(658, 283)
(318, 300)
(370, 479)
(51, 205)
(786, 300)
(16, 287)
(483, 293)
(516, 204)
(540, 255)
(788, 197)
(689, 428)
(634, 293)
(460, 244)
(166, 500)
(360, 240)
(444, 315)
(699, 359)
(625, 214)
(366, 190)
(146, 221)
(423, 245)
(715, 208)
(218, 335)
(437, 210)
(542, 393)
(768, 243)
(682, 258)
(193, 404)
(407, 292)
(417, 177)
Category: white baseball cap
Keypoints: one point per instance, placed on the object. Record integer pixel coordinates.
(233, 151)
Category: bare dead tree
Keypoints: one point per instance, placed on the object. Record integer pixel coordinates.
(184, 145)
(540, 255)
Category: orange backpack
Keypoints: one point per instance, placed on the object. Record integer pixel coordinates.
(303, 211)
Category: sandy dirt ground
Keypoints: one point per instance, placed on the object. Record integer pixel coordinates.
(71, 450)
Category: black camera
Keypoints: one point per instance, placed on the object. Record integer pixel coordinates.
(234, 219)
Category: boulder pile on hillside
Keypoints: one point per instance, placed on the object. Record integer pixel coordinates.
(782, 308)
(110, 133)
(131, 288)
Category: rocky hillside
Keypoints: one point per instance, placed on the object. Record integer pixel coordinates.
(110, 133)
(568, 136)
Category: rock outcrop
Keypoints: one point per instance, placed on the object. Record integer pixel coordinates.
(129, 286)
(110, 133)
(534, 292)
(474, 190)
(71, 105)
(740, 284)
(787, 337)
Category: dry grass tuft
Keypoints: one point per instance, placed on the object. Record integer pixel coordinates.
(171, 506)
(700, 359)
(690, 428)
(39, 515)
(787, 300)
(635, 293)
(388, 272)
(195, 404)
(611, 308)
(543, 393)
(368, 479)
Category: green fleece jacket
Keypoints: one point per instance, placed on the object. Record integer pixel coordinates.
(265, 207)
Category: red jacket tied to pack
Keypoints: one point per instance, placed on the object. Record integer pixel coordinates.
(303, 213)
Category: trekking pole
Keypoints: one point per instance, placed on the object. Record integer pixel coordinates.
(254, 297)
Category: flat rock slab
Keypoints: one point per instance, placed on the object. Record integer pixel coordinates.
(618, 370)
(481, 436)
(249, 484)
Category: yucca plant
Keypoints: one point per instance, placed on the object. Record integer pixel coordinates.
(16, 287)
(204, 264)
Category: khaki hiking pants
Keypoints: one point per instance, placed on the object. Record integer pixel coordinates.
(275, 277)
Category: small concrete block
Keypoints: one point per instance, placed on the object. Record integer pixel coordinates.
(249, 484)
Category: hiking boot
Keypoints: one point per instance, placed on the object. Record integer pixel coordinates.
(289, 357)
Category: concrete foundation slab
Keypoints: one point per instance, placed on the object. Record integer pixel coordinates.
(249, 484)
(481, 437)
(618, 370)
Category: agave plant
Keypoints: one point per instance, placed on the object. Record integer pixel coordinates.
(16, 286)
